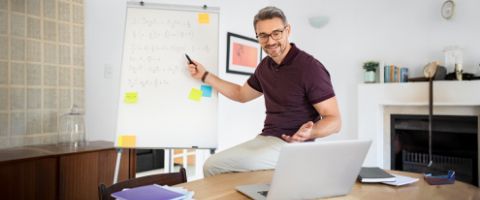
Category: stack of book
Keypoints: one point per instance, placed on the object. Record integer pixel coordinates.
(153, 192)
(377, 175)
(393, 74)
(374, 175)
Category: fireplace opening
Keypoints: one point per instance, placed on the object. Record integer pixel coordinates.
(454, 145)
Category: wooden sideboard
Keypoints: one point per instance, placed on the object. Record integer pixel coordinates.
(61, 172)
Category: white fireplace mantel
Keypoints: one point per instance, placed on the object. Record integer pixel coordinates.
(375, 99)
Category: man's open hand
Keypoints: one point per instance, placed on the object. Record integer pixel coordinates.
(304, 133)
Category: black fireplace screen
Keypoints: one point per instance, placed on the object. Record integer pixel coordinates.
(454, 145)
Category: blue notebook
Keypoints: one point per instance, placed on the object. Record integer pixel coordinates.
(149, 192)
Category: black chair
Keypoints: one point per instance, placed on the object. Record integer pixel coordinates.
(104, 192)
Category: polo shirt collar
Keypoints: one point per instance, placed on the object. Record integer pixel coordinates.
(288, 58)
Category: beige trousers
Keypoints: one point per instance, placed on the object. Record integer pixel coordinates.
(260, 153)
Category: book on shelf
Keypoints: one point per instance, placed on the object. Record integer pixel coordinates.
(374, 175)
(395, 74)
(392, 73)
(403, 74)
(386, 74)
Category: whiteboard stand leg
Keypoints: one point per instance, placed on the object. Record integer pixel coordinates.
(117, 166)
(168, 160)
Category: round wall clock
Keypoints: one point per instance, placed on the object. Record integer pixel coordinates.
(448, 8)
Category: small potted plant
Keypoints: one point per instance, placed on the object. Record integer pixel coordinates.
(370, 68)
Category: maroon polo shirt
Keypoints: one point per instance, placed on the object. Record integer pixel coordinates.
(290, 89)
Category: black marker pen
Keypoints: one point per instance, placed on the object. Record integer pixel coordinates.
(190, 61)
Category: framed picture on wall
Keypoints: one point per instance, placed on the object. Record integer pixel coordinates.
(243, 54)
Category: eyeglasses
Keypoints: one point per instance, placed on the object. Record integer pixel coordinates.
(276, 35)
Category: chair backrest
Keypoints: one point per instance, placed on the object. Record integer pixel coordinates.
(104, 192)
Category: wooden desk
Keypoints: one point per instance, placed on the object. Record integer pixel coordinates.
(223, 187)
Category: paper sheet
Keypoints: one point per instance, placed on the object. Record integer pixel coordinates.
(401, 180)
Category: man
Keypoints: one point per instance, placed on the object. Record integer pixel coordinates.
(299, 98)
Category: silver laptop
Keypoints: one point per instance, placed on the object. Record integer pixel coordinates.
(312, 170)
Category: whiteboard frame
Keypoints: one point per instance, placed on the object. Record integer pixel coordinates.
(174, 7)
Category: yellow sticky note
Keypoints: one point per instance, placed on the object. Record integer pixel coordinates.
(203, 18)
(127, 141)
(195, 94)
(130, 97)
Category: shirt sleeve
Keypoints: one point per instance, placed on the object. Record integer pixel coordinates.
(254, 83)
(318, 85)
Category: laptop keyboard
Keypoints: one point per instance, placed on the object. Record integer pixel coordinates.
(263, 193)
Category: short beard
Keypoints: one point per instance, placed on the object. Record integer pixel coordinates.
(282, 49)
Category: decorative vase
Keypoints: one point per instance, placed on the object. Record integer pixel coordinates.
(72, 128)
(369, 76)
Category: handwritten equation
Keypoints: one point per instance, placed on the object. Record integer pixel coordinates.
(147, 83)
(146, 49)
(155, 44)
(156, 69)
(154, 34)
(146, 21)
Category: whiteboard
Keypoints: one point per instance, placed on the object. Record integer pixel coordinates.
(154, 108)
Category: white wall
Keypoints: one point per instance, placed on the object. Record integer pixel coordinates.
(104, 27)
(406, 33)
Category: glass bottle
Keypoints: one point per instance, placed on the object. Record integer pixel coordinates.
(72, 128)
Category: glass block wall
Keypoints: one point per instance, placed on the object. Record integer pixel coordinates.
(41, 68)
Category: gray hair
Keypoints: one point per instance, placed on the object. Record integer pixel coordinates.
(269, 12)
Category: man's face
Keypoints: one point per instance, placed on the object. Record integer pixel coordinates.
(273, 35)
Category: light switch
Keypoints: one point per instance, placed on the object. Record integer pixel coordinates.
(107, 71)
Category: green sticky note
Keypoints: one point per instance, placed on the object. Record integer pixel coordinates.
(130, 97)
(195, 94)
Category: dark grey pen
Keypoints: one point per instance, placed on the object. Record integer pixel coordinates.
(190, 61)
